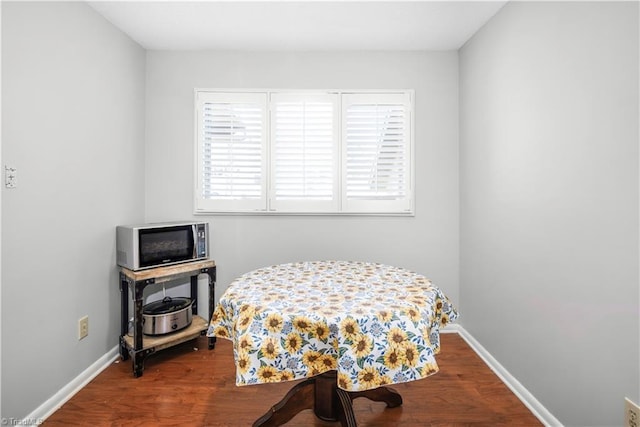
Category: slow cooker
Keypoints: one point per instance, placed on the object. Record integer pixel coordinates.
(166, 315)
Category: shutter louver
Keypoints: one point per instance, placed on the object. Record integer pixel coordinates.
(232, 163)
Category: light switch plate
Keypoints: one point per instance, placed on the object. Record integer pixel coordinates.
(10, 177)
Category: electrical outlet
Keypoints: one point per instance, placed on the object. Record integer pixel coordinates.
(631, 414)
(83, 327)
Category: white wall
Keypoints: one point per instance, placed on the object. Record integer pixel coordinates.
(549, 202)
(427, 243)
(72, 115)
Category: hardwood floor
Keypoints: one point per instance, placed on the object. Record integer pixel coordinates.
(188, 387)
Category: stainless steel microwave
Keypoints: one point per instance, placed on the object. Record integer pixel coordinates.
(158, 244)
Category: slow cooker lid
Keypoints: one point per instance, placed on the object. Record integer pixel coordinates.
(166, 305)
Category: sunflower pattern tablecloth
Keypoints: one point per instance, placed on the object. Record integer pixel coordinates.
(375, 324)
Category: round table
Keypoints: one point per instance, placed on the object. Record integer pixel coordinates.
(349, 328)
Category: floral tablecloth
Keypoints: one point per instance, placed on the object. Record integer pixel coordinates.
(375, 324)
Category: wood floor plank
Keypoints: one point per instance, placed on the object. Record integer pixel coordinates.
(189, 385)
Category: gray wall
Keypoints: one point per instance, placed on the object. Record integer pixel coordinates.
(72, 115)
(549, 202)
(427, 243)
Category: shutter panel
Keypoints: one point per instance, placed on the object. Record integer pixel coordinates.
(232, 151)
(304, 151)
(377, 152)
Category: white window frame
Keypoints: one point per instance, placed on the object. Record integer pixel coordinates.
(268, 204)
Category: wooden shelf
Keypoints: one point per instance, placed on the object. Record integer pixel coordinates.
(159, 342)
(165, 274)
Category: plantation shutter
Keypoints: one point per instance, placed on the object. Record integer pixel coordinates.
(376, 152)
(307, 151)
(232, 156)
(304, 152)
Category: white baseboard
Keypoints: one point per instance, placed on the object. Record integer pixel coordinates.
(509, 380)
(67, 392)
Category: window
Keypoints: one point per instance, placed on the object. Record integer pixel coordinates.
(231, 152)
(325, 152)
(304, 152)
(376, 153)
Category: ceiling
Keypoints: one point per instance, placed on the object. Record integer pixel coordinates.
(299, 25)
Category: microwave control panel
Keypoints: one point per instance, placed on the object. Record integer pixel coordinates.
(201, 247)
